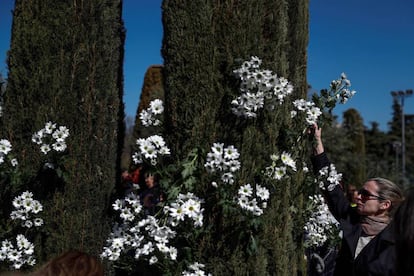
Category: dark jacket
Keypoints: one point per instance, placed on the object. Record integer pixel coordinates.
(377, 257)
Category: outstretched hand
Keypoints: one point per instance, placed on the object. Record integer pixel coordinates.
(316, 132)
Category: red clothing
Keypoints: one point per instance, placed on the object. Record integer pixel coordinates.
(135, 176)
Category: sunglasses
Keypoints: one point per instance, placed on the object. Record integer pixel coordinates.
(366, 195)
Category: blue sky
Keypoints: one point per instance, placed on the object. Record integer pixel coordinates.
(372, 41)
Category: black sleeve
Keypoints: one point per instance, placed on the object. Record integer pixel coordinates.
(337, 202)
(319, 161)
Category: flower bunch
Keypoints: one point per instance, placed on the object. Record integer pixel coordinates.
(321, 226)
(18, 255)
(148, 116)
(195, 269)
(186, 205)
(51, 137)
(328, 178)
(150, 148)
(25, 206)
(144, 235)
(340, 88)
(339, 92)
(280, 166)
(224, 160)
(258, 86)
(311, 111)
(252, 200)
(5, 148)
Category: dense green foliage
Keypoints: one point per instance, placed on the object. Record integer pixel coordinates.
(356, 171)
(395, 141)
(152, 88)
(65, 65)
(204, 41)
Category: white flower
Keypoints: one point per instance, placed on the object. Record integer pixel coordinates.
(217, 148)
(191, 208)
(173, 253)
(153, 260)
(45, 148)
(262, 192)
(246, 190)
(148, 116)
(126, 214)
(231, 153)
(176, 211)
(117, 205)
(288, 160)
(49, 127)
(36, 207)
(14, 162)
(38, 222)
(37, 137)
(59, 146)
(61, 133)
(151, 148)
(156, 106)
(5, 146)
(279, 173)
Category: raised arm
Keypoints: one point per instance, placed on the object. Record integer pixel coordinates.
(318, 146)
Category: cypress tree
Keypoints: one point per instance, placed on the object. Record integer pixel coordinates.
(152, 88)
(354, 126)
(203, 40)
(65, 65)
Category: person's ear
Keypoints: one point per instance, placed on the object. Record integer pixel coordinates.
(385, 205)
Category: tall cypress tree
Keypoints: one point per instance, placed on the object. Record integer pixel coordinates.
(355, 130)
(203, 40)
(65, 65)
(152, 88)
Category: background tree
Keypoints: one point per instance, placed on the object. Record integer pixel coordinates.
(395, 134)
(409, 140)
(65, 65)
(152, 89)
(353, 124)
(382, 154)
(203, 42)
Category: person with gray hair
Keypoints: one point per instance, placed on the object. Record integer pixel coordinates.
(368, 243)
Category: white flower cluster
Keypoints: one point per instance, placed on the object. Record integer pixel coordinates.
(258, 86)
(148, 116)
(5, 148)
(223, 160)
(150, 148)
(51, 137)
(321, 225)
(340, 88)
(312, 112)
(18, 255)
(328, 178)
(186, 205)
(280, 165)
(195, 269)
(251, 200)
(145, 236)
(25, 206)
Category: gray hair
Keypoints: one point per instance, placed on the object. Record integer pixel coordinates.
(389, 191)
